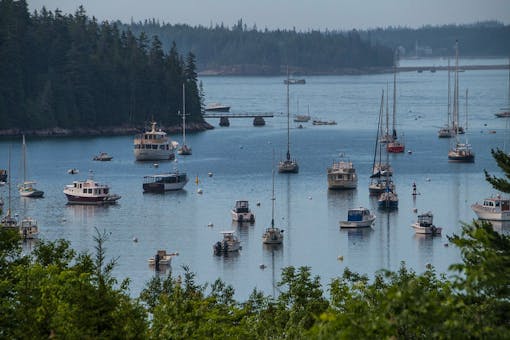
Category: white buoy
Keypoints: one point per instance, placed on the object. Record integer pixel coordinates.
(209, 174)
(428, 179)
(409, 151)
(258, 203)
(135, 239)
(156, 165)
(309, 197)
(199, 191)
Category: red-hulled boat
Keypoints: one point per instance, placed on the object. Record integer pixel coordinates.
(395, 147)
(89, 192)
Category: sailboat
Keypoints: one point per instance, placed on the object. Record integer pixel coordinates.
(394, 145)
(272, 235)
(379, 181)
(184, 149)
(458, 130)
(27, 189)
(288, 165)
(505, 113)
(462, 152)
(389, 198)
(447, 131)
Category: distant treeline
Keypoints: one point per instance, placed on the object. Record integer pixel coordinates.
(244, 50)
(68, 71)
(481, 39)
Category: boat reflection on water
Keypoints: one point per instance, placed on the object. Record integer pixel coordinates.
(275, 251)
(84, 212)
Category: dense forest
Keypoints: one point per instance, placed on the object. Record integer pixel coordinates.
(486, 39)
(70, 72)
(54, 292)
(242, 50)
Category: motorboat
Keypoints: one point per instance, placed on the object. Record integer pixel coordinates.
(162, 258)
(425, 225)
(357, 218)
(301, 118)
(217, 107)
(3, 175)
(73, 171)
(242, 213)
(446, 132)
(103, 157)
(27, 188)
(294, 81)
(28, 228)
(165, 182)
(493, 208)
(89, 192)
(323, 122)
(229, 243)
(342, 175)
(153, 145)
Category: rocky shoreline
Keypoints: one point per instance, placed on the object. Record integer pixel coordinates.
(100, 131)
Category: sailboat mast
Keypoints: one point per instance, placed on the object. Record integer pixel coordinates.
(466, 109)
(381, 109)
(9, 180)
(183, 114)
(24, 147)
(456, 90)
(449, 98)
(387, 114)
(288, 117)
(272, 199)
(395, 94)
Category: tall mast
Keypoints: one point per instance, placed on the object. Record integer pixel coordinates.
(466, 110)
(183, 114)
(395, 93)
(24, 147)
(387, 134)
(449, 98)
(288, 117)
(272, 198)
(456, 89)
(9, 180)
(379, 129)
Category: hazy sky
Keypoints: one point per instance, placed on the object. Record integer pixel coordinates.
(301, 14)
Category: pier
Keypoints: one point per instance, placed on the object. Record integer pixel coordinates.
(258, 118)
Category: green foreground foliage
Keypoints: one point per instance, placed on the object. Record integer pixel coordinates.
(56, 292)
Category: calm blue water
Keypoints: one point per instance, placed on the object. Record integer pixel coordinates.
(240, 157)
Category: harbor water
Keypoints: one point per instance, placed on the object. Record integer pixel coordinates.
(240, 160)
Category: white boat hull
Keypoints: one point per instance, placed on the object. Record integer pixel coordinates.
(491, 214)
(358, 224)
(343, 184)
(153, 155)
(243, 217)
(429, 230)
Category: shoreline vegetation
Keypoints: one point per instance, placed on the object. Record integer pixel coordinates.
(101, 131)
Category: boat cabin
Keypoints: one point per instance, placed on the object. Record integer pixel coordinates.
(357, 215)
(425, 220)
(497, 203)
(91, 188)
(166, 178)
(241, 207)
